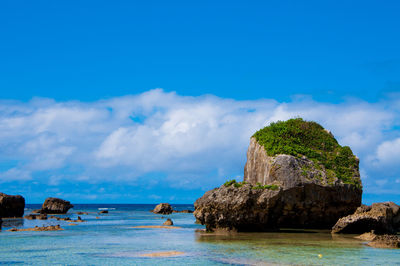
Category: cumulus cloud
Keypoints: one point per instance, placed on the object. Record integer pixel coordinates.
(388, 153)
(187, 140)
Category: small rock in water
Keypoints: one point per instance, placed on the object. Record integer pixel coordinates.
(37, 228)
(385, 241)
(383, 218)
(56, 206)
(104, 211)
(31, 216)
(184, 211)
(168, 222)
(42, 216)
(163, 208)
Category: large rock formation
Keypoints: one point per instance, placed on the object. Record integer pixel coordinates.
(11, 206)
(383, 218)
(315, 183)
(56, 206)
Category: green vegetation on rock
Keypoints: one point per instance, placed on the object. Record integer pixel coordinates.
(258, 186)
(299, 138)
(234, 183)
(270, 187)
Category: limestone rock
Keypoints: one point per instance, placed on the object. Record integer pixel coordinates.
(11, 206)
(163, 208)
(287, 171)
(56, 206)
(383, 218)
(385, 241)
(287, 190)
(367, 236)
(248, 208)
(168, 222)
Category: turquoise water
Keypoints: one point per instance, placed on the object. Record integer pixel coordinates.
(111, 240)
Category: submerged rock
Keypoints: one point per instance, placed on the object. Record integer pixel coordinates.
(42, 216)
(183, 211)
(103, 211)
(383, 218)
(56, 206)
(37, 228)
(11, 206)
(163, 208)
(312, 186)
(31, 216)
(168, 222)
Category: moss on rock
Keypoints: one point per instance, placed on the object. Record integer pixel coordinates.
(300, 138)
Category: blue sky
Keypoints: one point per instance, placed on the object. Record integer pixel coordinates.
(82, 117)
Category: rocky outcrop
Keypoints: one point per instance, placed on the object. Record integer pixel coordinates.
(31, 216)
(56, 206)
(288, 171)
(383, 218)
(37, 228)
(251, 208)
(385, 241)
(287, 190)
(163, 208)
(11, 206)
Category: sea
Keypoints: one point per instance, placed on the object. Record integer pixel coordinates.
(116, 239)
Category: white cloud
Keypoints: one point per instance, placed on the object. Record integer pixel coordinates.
(388, 153)
(123, 138)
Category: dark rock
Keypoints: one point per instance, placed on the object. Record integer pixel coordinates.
(37, 228)
(36, 211)
(183, 211)
(42, 216)
(11, 206)
(56, 206)
(31, 216)
(385, 241)
(63, 219)
(82, 213)
(1, 222)
(249, 209)
(168, 222)
(383, 218)
(104, 211)
(163, 208)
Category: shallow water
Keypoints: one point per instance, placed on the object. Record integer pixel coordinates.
(111, 240)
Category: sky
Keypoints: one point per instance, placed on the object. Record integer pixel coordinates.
(155, 101)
